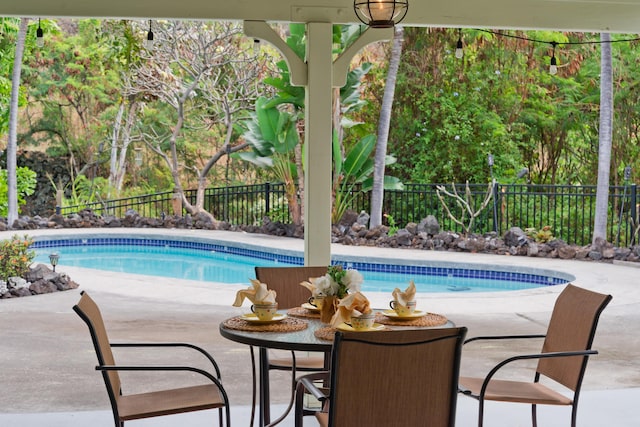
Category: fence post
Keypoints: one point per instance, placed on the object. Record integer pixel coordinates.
(267, 197)
(495, 205)
(176, 202)
(634, 206)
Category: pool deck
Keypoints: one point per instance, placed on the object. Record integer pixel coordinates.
(47, 375)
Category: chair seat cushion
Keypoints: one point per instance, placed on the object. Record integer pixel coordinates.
(168, 402)
(515, 391)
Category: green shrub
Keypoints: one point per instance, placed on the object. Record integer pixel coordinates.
(26, 184)
(543, 235)
(15, 256)
(393, 227)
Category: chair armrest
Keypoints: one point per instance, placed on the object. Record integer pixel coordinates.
(143, 368)
(306, 382)
(171, 344)
(500, 365)
(503, 337)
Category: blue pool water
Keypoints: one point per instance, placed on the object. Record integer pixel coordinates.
(219, 263)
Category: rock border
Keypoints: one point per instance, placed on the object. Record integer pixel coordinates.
(39, 280)
(353, 230)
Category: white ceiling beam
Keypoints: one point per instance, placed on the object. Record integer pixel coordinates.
(575, 15)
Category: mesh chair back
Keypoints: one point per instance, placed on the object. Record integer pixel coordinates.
(572, 327)
(88, 311)
(286, 282)
(393, 378)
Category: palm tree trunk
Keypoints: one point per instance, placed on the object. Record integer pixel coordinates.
(377, 193)
(605, 135)
(12, 145)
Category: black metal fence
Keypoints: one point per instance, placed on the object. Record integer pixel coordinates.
(568, 209)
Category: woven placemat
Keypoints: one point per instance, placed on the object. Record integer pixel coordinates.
(325, 333)
(303, 312)
(289, 324)
(429, 319)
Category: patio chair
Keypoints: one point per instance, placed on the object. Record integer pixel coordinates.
(563, 359)
(155, 403)
(389, 378)
(286, 282)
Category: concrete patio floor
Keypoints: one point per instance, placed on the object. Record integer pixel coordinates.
(47, 375)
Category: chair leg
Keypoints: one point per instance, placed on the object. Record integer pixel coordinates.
(574, 412)
(534, 416)
(299, 401)
(480, 411)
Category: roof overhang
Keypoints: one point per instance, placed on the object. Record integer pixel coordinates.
(576, 15)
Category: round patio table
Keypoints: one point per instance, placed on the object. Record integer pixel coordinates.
(297, 340)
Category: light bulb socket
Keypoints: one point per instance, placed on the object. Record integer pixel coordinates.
(553, 67)
(148, 43)
(39, 36)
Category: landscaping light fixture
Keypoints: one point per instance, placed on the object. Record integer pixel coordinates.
(148, 43)
(39, 35)
(53, 259)
(381, 13)
(553, 68)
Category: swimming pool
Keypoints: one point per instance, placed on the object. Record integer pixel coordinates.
(214, 262)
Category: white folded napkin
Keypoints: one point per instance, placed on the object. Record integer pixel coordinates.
(408, 295)
(354, 304)
(257, 293)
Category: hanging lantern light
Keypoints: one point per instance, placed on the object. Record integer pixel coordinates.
(380, 13)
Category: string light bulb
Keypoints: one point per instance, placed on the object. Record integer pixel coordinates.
(459, 50)
(148, 43)
(39, 35)
(553, 67)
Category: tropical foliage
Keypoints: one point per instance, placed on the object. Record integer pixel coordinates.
(84, 98)
(26, 184)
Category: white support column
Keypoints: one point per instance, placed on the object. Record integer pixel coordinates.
(319, 74)
(318, 130)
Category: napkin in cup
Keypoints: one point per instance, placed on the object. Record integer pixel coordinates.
(405, 297)
(258, 293)
(354, 304)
